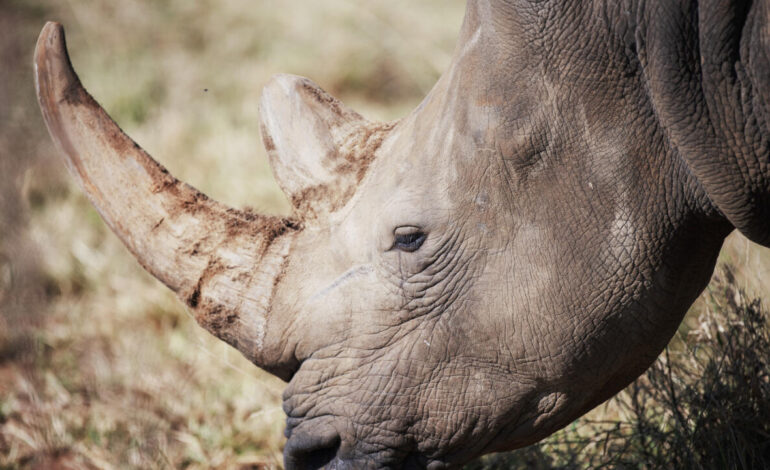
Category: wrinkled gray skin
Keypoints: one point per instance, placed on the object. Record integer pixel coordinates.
(575, 172)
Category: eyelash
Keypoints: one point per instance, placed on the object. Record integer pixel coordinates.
(410, 242)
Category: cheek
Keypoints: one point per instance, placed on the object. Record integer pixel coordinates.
(355, 309)
(409, 392)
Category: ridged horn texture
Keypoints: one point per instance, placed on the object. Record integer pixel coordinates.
(224, 263)
(319, 149)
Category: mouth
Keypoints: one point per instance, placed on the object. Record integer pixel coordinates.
(312, 451)
(318, 438)
(311, 445)
(315, 445)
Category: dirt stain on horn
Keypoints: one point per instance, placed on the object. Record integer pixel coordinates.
(267, 141)
(76, 95)
(350, 164)
(324, 98)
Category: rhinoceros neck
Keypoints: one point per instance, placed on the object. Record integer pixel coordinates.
(711, 98)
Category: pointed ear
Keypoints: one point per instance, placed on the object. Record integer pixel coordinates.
(310, 137)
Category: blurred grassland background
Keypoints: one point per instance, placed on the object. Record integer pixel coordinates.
(100, 365)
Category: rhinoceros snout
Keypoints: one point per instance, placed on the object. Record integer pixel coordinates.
(314, 448)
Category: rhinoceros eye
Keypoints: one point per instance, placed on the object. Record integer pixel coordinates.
(408, 239)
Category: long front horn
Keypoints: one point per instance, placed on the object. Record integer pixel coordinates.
(222, 262)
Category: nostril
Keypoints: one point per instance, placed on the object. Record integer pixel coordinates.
(305, 452)
(291, 423)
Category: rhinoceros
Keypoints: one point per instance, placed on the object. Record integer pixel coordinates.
(476, 275)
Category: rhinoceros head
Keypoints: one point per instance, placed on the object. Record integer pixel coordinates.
(465, 280)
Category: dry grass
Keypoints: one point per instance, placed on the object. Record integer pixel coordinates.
(100, 366)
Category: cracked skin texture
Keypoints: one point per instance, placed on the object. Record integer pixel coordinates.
(574, 174)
